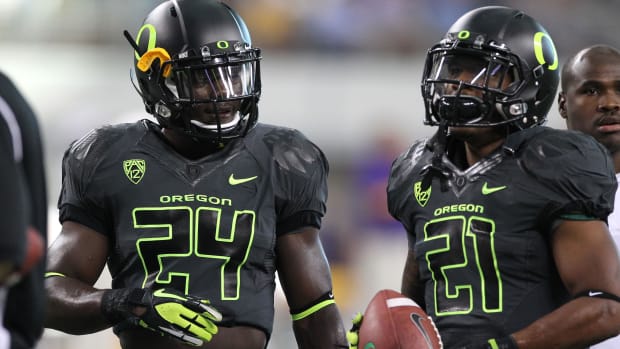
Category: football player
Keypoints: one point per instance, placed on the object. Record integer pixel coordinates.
(24, 220)
(193, 214)
(590, 102)
(508, 246)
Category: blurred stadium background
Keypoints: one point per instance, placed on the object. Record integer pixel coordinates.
(345, 72)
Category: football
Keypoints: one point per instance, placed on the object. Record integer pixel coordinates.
(393, 321)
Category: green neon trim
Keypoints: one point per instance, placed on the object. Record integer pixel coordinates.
(152, 37)
(162, 293)
(53, 273)
(312, 309)
(493, 343)
(463, 34)
(538, 50)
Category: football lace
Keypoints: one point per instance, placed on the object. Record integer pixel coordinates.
(436, 332)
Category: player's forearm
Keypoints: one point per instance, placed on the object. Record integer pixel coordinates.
(577, 324)
(323, 329)
(73, 306)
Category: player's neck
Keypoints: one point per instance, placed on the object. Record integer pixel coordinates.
(188, 147)
(475, 153)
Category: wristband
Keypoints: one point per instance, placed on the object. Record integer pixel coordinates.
(117, 304)
(326, 299)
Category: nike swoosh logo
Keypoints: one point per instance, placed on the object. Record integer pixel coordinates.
(417, 320)
(234, 181)
(486, 190)
(594, 294)
(162, 293)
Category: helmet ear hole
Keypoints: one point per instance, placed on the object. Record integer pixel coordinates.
(538, 72)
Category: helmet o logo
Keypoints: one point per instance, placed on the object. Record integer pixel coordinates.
(152, 38)
(222, 44)
(539, 50)
(463, 34)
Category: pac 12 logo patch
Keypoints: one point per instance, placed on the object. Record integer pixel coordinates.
(421, 196)
(134, 169)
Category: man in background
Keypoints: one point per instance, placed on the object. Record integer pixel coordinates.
(590, 102)
(24, 219)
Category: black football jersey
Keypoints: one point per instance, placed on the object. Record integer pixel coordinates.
(482, 241)
(207, 227)
(24, 202)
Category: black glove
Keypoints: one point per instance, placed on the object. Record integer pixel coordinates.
(495, 343)
(353, 334)
(168, 312)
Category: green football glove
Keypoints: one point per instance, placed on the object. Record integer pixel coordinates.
(353, 334)
(168, 312)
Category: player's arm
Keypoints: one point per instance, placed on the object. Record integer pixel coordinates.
(411, 285)
(306, 280)
(589, 266)
(75, 261)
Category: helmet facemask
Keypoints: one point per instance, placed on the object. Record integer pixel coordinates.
(469, 87)
(210, 96)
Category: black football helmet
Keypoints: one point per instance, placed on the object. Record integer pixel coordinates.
(196, 69)
(495, 66)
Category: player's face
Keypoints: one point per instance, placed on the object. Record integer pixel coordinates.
(591, 103)
(472, 71)
(476, 71)
(216, 91)
(207, 86)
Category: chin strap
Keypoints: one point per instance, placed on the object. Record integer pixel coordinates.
(436, 167)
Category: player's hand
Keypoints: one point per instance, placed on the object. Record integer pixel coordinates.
(166, 311)
(184, 317)
(353, 333)
(506, 342)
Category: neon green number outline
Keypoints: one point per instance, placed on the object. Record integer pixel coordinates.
(483, 280)
(169, 237)
(193, 233)
(447, 248)
(458, 238)
(230, 239)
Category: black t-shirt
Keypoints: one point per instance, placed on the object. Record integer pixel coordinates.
(482, 244)
(23, 181)
(207, 227)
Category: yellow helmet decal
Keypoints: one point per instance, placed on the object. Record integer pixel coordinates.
(538, 50)
(152, 37)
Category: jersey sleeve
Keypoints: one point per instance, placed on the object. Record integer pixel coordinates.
(401, 180)
(12, 205)
(299, 181)
(77, 202)
(576, 171)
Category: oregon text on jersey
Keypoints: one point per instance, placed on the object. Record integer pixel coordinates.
(459, 208)
(214, 200)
